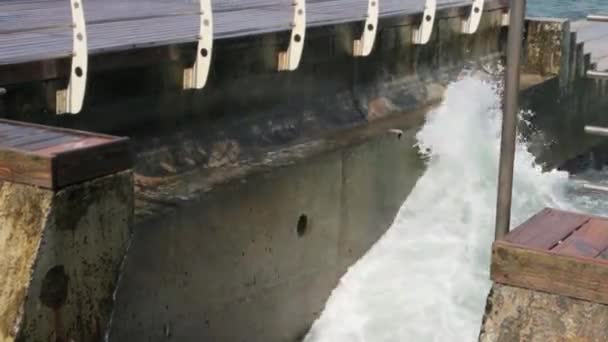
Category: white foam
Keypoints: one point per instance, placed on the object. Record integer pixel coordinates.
(426, 279)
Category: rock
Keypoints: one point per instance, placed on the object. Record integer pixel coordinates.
(516, 314)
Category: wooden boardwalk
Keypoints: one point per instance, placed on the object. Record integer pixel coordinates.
(53, 158)
(34, 30)
(558, 252)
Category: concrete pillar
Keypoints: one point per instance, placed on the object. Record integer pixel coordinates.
(60, 255)
(550, 49)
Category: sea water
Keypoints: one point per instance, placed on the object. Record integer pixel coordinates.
(427, 278)
(573, 9)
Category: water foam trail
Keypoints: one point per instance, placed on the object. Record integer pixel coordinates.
(426, 279)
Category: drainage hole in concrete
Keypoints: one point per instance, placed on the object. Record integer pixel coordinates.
(302, 226)
(54, 289)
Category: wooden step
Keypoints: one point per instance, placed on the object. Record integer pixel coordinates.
(53, 158)
(558, 252)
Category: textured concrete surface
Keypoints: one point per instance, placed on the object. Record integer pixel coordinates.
(62, 252)
(515, 314)
(255, 259)
(24, 214)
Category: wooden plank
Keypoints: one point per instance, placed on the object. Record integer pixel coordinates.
(30, 138)
(540, 270)
(79, 143)
(34, 147)
(589, 241)
(91, 162)
(25, 168)
(40, 33)
(52, 157)
(546, 229)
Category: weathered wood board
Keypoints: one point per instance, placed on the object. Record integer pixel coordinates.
(35, 30)
(53, 158)
(556, 252)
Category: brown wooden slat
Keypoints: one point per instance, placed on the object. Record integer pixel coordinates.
(34, 147)
(7, 136)
(52, 157)
(82, 142)
(25, 168)
(87, 163)
(546, 229)
(6, 127)
(540, 270)
(589, 241)
(32, 138)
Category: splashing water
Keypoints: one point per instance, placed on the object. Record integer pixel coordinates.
(426, 279)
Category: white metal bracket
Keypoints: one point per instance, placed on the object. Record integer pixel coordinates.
(290, 59)
(422, 33)
(506, 18)
(598, 75)
(196, 76)
(363, 46)
(598, 18)
(70, 100)
(470, 25)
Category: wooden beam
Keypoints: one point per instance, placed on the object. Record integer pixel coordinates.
(548, 271)
(54, 158)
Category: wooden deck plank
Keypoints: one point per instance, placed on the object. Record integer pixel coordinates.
(589, 241)
(41, 145)
(53, 158)
(546, 229)
(576, 267)
(31, 138)
(115, 25)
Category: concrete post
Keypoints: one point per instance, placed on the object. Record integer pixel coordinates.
(60, 254)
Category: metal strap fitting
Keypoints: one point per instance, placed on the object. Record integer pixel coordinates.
(290, 59)
(196, 76)
(363, 46)
(422, 34)
(470, 25)
(70, 100)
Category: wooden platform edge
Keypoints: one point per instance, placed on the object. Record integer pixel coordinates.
(545, 271)
(89, 163)
(25, 168)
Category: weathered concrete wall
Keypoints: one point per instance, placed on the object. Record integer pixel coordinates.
(562, 98)
(516, 314)
(60, 256)
(255, 259)
(557, 134)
